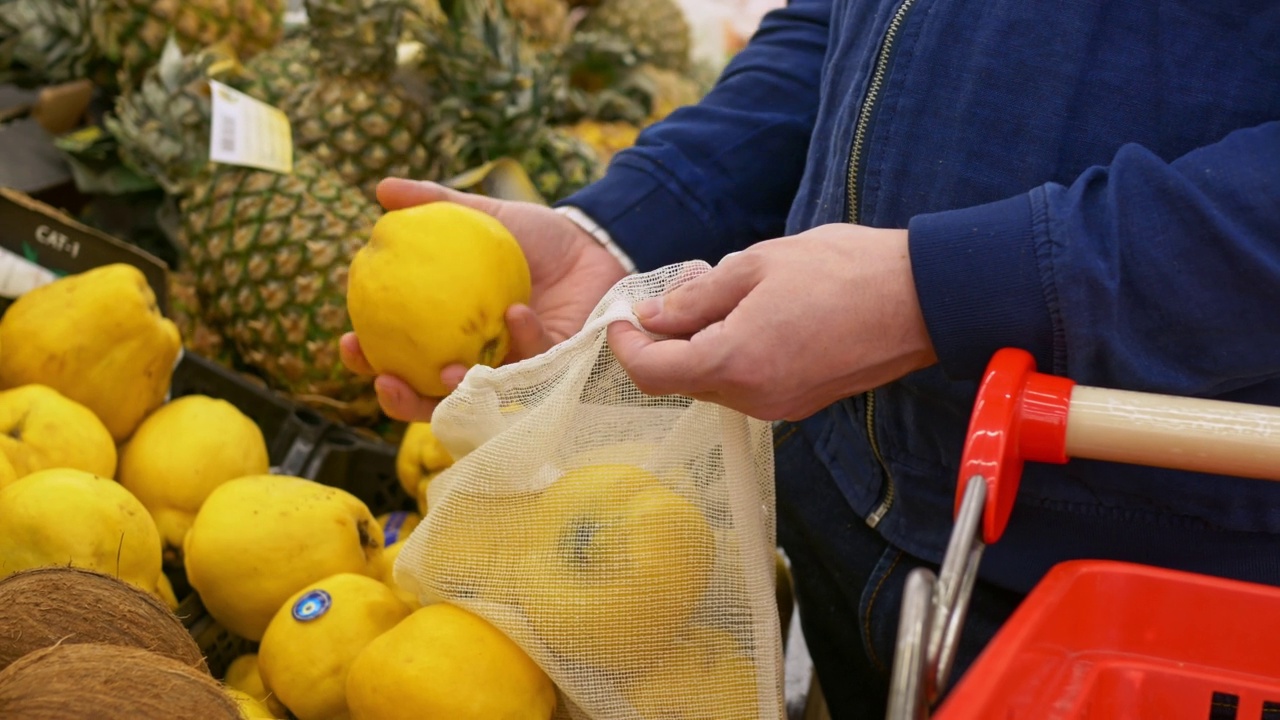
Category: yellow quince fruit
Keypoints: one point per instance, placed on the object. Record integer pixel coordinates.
(251, 708)
(397, 525)
(420, 458)
(472, 547)
(615, 561)
(244, 676)
(96, 337)
(7, 473)
(431, 289)
(164, 591)
(184, 450)
(41, 428)
(316, 634)
(63, 516)
(708, 659)
(388, 575)
(257, 540)
(445, 662)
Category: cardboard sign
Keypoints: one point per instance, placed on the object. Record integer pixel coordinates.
(39, 244)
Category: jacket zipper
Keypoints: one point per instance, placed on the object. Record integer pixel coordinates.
(855, 160)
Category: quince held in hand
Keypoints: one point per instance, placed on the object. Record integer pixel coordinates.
(431, 289)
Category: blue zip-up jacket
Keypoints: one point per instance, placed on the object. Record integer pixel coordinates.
(1096, 181)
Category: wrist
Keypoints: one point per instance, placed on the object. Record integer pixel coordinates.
(598, 234)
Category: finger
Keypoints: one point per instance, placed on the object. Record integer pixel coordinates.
(397, 193)
(700, 302)
(528, 336)
(352, 355)
(659, 367)
(400, 402)
(452, 375)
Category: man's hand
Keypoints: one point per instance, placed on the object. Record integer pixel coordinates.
(569, 270)
(785, 328)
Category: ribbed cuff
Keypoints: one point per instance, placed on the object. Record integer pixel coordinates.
(980, 285)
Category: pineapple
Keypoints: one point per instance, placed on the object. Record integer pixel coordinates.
(276, 72)
(609, 85)
(655, 30)
(269, 251)
(351, 116)
(45, 41)
(185, 312)
(606, 138)
(560, 164)
(494, 90)
(660, 91)
(130, 34)
(545, 23)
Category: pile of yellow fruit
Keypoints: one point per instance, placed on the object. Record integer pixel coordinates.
(100, 470)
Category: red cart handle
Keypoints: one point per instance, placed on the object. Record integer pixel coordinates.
(1022, 415)
(1019, 415)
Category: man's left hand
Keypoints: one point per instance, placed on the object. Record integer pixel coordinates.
(786, 327)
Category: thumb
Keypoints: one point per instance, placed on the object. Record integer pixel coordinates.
(528, 336)
(397, 193)
(698, 303)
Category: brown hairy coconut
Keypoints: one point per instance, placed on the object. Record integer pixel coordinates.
(50, 605)
(109, 682)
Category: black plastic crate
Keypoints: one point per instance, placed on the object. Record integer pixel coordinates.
(217, 643)
(363, 467)
(291, 430)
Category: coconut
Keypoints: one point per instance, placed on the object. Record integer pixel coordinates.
(109, 682)
(51, 605)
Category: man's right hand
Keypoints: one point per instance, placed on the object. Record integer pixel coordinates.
(569, 269)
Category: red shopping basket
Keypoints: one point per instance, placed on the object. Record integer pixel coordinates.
(1094, 639)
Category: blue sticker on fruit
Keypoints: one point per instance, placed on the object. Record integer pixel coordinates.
(312, 605)
(395, 522)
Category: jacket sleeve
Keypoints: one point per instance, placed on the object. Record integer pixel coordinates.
(1143, 275)
(714, 177)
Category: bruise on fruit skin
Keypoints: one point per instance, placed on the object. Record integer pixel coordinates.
(575, 543)
(366, 538)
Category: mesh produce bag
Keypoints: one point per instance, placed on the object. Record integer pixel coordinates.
(625, 541)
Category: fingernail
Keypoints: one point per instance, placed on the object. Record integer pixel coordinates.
(648, 308)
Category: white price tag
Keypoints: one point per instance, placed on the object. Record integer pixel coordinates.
(18, 275)
(249, 132)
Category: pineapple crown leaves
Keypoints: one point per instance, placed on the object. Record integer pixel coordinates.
(45, 41)
(163, 125)
(356, 36)
(494, 87)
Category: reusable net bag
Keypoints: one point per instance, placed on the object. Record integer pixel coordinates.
(625, 541)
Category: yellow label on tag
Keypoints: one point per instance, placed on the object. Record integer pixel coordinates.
(249, 132)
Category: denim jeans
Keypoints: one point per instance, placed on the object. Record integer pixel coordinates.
(849, 583)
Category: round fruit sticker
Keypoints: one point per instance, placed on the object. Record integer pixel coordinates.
(312, 605)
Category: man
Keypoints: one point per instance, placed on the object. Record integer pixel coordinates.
(1095, 182)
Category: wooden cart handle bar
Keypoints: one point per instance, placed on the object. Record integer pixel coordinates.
(1021, 415)
(1181, 433)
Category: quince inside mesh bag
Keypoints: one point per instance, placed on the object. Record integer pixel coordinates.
(624, 541)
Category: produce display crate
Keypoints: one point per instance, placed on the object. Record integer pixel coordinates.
(363, 467)
(218, 644)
